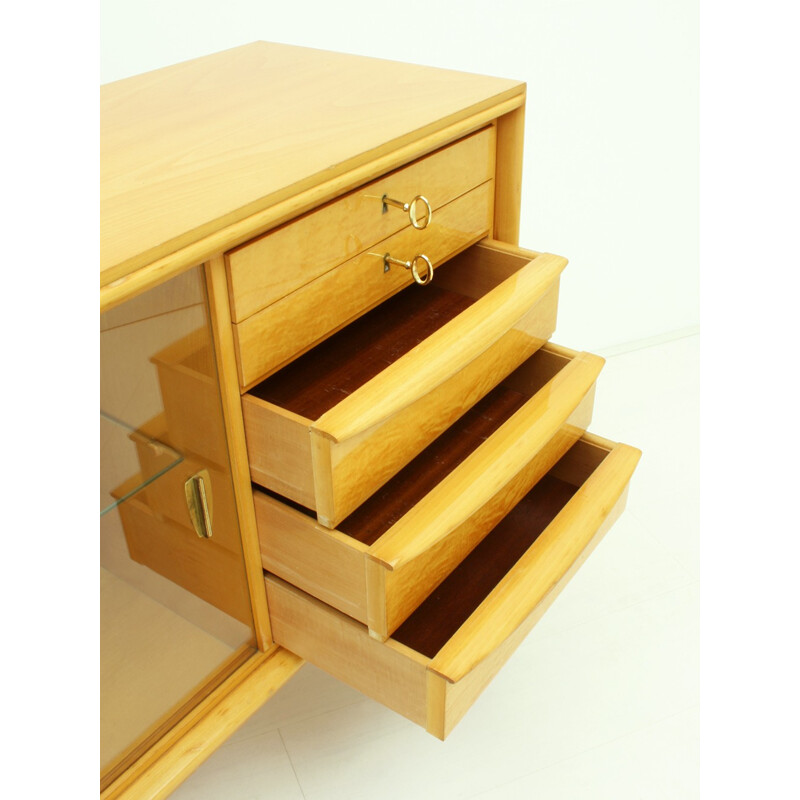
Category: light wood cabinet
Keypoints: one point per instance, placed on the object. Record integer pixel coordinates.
(375, 403)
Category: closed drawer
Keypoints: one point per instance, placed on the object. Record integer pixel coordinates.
(336, 424)
(443, 656)
(293, 324)
(390, 554)
(266, 269)
(202, 567)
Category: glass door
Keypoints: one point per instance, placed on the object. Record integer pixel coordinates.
(175, 609)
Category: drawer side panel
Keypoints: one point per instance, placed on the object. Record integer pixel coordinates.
(279, 450)
(323, 563)
(389, 673)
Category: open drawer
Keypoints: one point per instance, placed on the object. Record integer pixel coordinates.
(335, 424)
(386, 557)
(443, 656)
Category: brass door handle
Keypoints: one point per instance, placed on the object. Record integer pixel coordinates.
(411, 209)
(199, 501)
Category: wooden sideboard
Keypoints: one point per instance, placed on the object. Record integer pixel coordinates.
(311, 260)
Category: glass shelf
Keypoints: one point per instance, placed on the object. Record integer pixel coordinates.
(119, 435)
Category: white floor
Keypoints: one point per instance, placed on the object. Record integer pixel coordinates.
(601, 700)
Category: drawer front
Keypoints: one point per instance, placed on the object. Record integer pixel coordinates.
(273, 266)
(200, 566)
(289, 327)
(443, 656)
(387, 557)
(356, 445)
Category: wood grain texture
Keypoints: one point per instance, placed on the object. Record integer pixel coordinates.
(279, 449)
(202, 730)
(165, 495)
(490, 467)
(313, 558)
(290, 326)
(187, 377)
(237, 447)
(324, 563)
(386, 671)
(278, 263)
(324, 489)
(380, 514)
(316, 381)
(428, 553)
(444, 353)
(198, 565)
(364, 462)
(459, 697)
(130, 284)
(510, 579)
(330, 564)
(437, 619)
(353, 362)
(540, 569)
(508, 171)
(477, 270)
(192, 148)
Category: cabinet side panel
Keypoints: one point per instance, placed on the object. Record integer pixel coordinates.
(508, 175)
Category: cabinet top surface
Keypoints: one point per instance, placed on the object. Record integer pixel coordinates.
(189, 149)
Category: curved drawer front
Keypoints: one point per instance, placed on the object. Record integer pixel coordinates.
(402, 374)
(443, 656)
(293, 324)
(389, 555)
(266, 269)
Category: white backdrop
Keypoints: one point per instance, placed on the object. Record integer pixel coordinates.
(611, 143)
